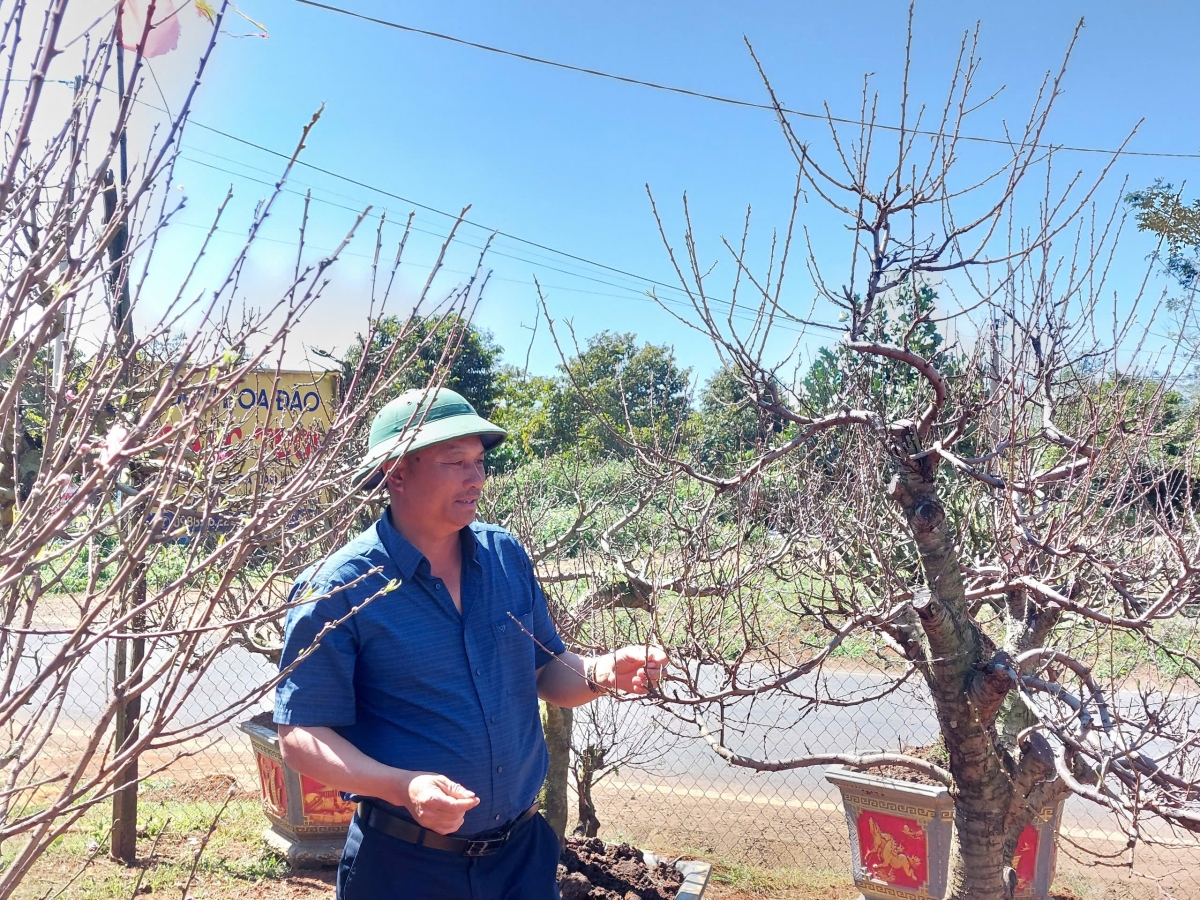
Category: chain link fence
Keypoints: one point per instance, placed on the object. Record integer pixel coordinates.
(203, 695)
(690, 801)
(672, 793)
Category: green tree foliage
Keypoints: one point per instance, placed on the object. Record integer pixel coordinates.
(1166, 422)
(614, 384)
(730, 427)
(575, 411)
(610, 386)
(1162, 211)
(523, 410)
(903, 319)
(474, 369)
(22, 436)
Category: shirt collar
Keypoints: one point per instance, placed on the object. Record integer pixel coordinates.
(403, 554)
(471, 544)
(407, 557)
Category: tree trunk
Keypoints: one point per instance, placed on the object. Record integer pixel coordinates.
(128, 657)
(979, 868)
(587, 813)
(556, 725)
(967, 680)
(585, 777)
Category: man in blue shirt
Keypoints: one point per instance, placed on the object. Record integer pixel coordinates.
(417, 654)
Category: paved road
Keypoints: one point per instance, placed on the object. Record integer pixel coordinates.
(773, 728)
(233, 674)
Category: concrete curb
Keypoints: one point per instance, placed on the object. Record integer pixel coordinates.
(695, 874)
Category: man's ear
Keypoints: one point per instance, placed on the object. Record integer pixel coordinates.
(393, 477)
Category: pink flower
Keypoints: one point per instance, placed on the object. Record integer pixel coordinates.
(164, 26)
(114, 444)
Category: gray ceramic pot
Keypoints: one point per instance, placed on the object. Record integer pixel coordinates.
(901, 833)
(308, 819)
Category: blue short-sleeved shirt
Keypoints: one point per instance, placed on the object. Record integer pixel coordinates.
(410, 682)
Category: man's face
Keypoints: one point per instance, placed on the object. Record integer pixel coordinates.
(440, 484)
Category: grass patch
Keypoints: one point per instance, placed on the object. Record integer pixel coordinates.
(234, 861)
(770, 881)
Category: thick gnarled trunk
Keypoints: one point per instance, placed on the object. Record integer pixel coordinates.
(969, 681)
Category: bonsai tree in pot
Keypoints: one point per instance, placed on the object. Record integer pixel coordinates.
(992, 513)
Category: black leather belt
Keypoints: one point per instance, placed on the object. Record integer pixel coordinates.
(412, 833)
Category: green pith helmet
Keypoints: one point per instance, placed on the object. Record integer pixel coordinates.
(416, 419)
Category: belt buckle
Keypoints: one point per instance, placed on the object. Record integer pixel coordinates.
(479, 848)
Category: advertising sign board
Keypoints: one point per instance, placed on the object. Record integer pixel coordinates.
(268, 425)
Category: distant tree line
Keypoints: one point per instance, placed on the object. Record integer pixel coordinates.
(615, 393)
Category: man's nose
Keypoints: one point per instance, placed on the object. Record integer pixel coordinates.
(476, 473)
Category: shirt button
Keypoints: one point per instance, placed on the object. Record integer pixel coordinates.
(499, 768)
(493, 720)
(497, 818)
(439, 585)
(479, 671)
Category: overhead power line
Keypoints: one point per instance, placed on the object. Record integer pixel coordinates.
(436, 234)
(790, 323)
(433, 209)
(718, 98)
(532, 257)
(195, 123)
(279, 154)
(572, 256)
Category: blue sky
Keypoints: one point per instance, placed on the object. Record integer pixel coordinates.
(563, 159)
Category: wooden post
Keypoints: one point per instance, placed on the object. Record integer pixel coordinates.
(556, 725)
(128, 658)
(129, 652)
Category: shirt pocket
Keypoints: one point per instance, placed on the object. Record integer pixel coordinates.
(515, 646)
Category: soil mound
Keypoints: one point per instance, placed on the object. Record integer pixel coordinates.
(589, 869)
(935, 754)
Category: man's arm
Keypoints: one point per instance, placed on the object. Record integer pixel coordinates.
(631, 669)
(436, 802)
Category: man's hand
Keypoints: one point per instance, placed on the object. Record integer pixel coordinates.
(633, 669)
(437, 803)
(571, 680)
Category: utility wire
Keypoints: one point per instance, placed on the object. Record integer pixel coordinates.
(437, 234)
(717, 98)
(195, 123)
(634, 294)
(202, 226)
(433, 209)
(563, 253)
(272, 173)
(453, 216)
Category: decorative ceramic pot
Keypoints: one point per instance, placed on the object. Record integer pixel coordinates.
(1036, 855)
(901, 833)
(308, 819)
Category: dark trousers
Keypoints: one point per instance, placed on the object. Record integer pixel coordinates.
(377, 866)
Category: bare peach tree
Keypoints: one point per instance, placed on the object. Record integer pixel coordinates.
(607, 736)
(129, 526)
(993, 517)
(585, 521)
